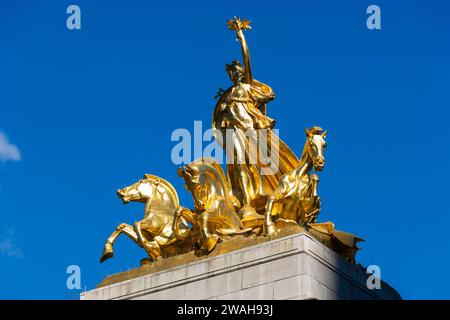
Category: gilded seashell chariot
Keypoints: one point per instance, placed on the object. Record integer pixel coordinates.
(248, 199)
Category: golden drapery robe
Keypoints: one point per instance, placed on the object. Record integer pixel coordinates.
(239, 109)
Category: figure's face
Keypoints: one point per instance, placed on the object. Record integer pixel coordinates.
(236, 74)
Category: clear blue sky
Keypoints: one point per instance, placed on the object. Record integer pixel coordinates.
(85, 112)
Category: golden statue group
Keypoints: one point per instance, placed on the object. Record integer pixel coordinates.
(251, 198)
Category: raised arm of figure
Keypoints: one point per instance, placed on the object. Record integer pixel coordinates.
(238, 25)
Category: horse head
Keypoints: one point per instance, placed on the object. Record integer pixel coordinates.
(315, 146)
(160, 192)
(205, 180)
(140, 191)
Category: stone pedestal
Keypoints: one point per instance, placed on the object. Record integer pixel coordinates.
(292, 267)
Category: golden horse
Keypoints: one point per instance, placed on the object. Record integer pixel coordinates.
(214, 214)
(154, 232)
(295, 200)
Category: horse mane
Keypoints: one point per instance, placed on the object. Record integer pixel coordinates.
(316, 130)
(217, 168)
(160, 182)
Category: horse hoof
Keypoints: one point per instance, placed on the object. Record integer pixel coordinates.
(146, 262)
(211, 242)
(155, 256)
(270, 230)
(152, 250)
(107, 253)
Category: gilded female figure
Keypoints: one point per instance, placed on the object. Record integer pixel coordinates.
(241, 111)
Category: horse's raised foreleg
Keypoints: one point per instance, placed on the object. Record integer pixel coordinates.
(108, 250)
(278, 194)
(313, 184)
(186, 214)
(311, 201)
